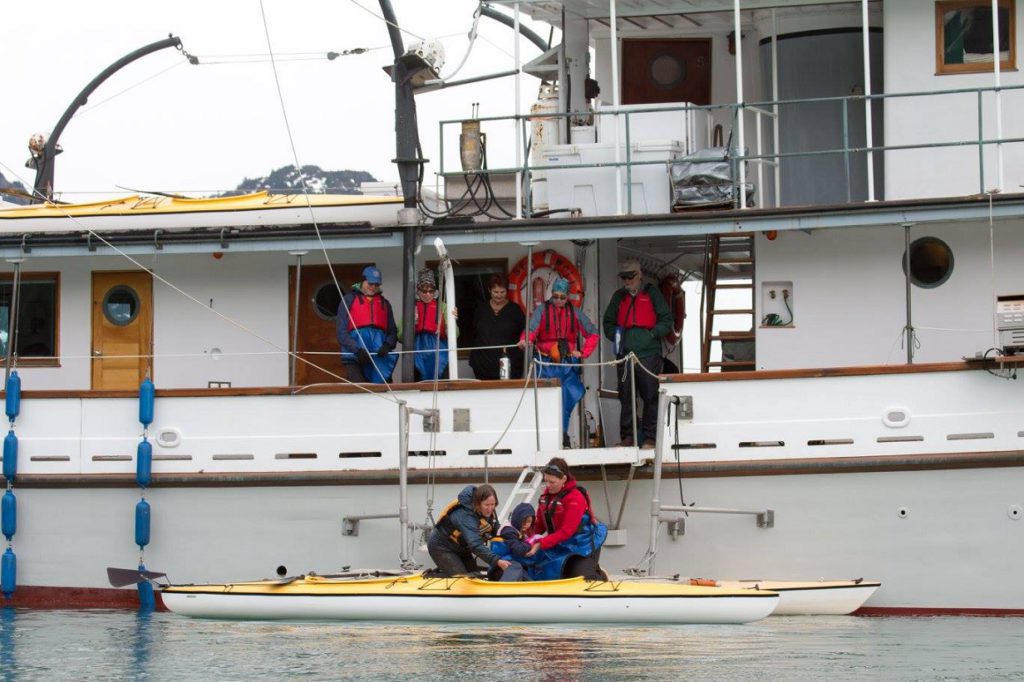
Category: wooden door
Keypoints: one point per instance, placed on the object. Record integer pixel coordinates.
(122, 329)
(318, 308)
(655, 71)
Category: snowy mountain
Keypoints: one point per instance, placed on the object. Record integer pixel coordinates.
(315, 179)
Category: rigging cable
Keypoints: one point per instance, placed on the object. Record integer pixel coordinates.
(309, 205)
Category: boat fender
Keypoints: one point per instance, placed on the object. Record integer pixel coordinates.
(147, 600)
(144, 463)
(545, 259)
(9, 515)
(10, 456)
(8, 573)
(13, 404)
(147, 393)
(142, 513)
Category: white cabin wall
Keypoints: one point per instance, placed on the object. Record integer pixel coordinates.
(849, 295)
(910, 67)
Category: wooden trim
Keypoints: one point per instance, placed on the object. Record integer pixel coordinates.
(315, 389)
(866, 370)
(943, 69)
(709, 469)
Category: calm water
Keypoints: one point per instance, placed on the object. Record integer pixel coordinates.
(120, 645)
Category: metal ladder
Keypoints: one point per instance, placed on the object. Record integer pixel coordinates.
(525, 490)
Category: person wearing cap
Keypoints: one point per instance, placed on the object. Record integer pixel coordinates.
(513, 542)
(429, 318)
(366, 324)
(636, 319)
(555, 328)
(572, 546)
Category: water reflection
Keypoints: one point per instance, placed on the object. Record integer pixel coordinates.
(124, 645)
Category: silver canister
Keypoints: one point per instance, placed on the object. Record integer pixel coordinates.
(504, 367)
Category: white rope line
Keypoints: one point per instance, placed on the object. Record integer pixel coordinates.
(86, 110)
(309, 205)
(378, 16)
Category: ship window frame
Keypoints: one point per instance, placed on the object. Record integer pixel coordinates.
(914, 277)
(7, 279)
(944, 69)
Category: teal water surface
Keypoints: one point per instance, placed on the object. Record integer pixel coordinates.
(122, 645)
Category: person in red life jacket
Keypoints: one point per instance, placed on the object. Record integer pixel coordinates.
(635, 321)
(572, 546)
(555, 328)
(366, 324)
(429, 316)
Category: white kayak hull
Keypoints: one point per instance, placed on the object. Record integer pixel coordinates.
(825, 598)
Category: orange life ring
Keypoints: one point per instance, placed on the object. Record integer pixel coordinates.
(550, 260)
(672, 290)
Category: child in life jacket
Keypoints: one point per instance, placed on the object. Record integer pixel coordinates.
(514, 542)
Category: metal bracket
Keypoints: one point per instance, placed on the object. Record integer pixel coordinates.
(350, 524)
(156, 240)
(432, 421)
(88, 242)
(766, 519)
(25, 248)
(676, 528)
(223, 239)
(684, 407)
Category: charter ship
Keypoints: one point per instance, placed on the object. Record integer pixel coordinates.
(833, 183)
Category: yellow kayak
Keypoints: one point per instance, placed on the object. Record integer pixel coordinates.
(416, 597)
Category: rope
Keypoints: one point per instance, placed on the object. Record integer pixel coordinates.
(378, 16)
(80, 112)
(309, 205)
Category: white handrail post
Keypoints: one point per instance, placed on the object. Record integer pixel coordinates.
(616, 102)
(449, 312)
(775, 108)
(741, 142)
(996, 53)
(869, 136)
(519, 130)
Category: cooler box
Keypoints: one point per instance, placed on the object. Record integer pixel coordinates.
(592, 190)
(692, 127)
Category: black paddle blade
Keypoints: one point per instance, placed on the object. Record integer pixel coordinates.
(120, 577)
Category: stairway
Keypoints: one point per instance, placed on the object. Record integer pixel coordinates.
(729, 267)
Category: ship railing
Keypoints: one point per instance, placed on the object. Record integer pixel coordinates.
(766, 152)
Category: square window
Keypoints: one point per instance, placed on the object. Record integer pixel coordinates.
(963, 36)
(37, 318)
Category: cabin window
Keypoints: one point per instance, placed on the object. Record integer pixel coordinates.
(37, 317)
(931, 262)
(326, 301)
(963, 36)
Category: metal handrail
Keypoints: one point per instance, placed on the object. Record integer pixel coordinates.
(765, 108)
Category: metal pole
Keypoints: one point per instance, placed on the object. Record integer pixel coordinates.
(741, 142)
(906, 266)
(999, 102)
(403, 480)
(449, 295)
(518, 77)
(655, 500)
(632, 382)
(616, 102)
(12, 318)
(295, 315)
(775, 108)
(527, 296)
(44, 164)
(867, 99)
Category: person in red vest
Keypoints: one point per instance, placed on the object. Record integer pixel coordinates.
(366, 325)
(636, 319)
(555, 328)
(430, 315)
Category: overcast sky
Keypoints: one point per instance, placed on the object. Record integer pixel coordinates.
(172, 126)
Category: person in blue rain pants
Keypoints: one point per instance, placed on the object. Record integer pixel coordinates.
(430, 314)
(555, 328)
(366, 325)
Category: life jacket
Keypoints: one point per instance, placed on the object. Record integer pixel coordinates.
(488, 526)
(426, 317)
(367, 311)
(558, 323)
(549, 502)
(637, 311)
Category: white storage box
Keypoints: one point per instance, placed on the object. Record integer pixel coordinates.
(691, 127)
(592, 190)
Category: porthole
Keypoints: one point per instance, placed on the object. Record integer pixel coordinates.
(667, 71)
(121, 305)
(931, 262)
(326, 301)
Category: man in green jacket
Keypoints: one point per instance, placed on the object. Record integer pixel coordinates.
(635, 320)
